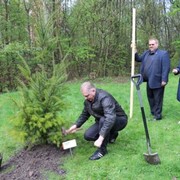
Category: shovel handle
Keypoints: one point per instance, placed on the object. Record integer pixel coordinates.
(139, 80)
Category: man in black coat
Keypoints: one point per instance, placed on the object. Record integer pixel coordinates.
(109, 118)
(176, 71)
(155, 67)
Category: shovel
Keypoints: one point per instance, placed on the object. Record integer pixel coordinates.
(150, 157)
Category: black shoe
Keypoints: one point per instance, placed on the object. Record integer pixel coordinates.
(98, 154)
(113, 138)
(157, 118)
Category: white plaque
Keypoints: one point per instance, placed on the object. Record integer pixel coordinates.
(69, 144)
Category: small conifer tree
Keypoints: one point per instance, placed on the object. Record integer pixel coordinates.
(40, 105)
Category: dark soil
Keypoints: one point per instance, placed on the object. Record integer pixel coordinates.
(34, 164)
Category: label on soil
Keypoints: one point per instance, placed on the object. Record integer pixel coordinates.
(69, 144)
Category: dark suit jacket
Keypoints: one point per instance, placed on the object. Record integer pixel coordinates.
(178, 68)
(158, 69)
(178, 91)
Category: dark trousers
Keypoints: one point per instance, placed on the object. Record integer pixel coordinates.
(92, 133)
(178, 91)
(155, 98)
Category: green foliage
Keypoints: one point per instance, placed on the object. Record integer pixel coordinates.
(177, 46)
(175, 7)
(175, 59)
(93, 35)
(105, 32)
(39, 119)
(13, 20)
(8, 65)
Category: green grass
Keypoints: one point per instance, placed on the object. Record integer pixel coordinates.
(8, 145)
(125, 159)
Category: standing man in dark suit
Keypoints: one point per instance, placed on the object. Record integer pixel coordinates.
(155, 67)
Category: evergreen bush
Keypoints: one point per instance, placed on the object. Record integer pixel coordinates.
(39, 117)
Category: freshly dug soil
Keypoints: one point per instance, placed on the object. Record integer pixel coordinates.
(33, 164)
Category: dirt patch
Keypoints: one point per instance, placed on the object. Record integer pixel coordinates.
(34, 163)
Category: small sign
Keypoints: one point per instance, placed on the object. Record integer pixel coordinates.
(69, 144)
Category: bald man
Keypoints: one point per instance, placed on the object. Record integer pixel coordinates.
(109, 118)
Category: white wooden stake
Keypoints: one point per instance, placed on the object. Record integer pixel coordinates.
(132, 60)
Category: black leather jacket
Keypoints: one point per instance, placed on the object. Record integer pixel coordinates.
(104, 105)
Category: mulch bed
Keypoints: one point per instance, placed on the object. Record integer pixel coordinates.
(34, 163)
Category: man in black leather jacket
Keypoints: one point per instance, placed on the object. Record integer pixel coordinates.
(109, 118)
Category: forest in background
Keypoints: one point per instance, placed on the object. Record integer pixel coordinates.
(91, 36)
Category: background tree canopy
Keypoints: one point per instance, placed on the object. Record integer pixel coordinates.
(91, 36)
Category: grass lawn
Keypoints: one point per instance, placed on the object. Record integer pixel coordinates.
(125, 159)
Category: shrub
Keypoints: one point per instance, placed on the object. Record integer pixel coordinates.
(40, 105)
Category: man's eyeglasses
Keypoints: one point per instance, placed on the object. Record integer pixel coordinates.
(151, 44)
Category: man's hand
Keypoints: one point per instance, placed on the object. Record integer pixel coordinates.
(72, 129)
(163, 83)
(134, 46)
(99, 141)
(175, 71)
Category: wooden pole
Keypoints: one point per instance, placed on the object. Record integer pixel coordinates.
(132, 60)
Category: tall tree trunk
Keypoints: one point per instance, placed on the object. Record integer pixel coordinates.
(6, 2)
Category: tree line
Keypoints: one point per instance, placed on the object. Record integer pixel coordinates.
(90, 36)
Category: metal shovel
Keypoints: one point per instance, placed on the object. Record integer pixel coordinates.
(149, 157)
